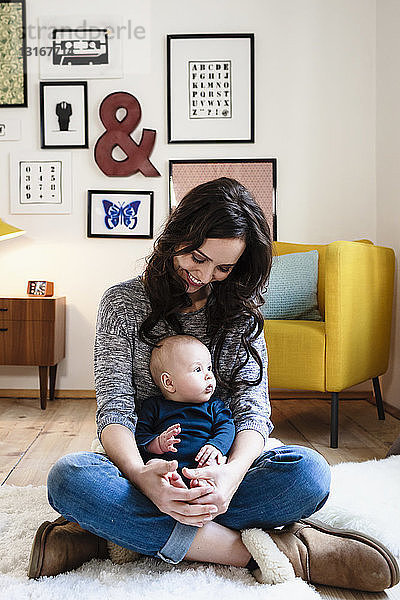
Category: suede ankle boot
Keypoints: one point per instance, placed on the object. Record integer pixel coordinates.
(323, 555)
(60, 546)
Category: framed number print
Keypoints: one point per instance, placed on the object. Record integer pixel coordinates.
(120, 214)
(40, 183)
(63, 114)
(210, 88)
(258, 175)
(13, 81)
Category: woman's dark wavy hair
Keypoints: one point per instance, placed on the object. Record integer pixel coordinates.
(222, 208)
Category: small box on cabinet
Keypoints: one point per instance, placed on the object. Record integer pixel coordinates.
(40, 288)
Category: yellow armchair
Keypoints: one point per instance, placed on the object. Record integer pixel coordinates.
(351, 344)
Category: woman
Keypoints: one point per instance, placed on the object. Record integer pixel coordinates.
(205, 278)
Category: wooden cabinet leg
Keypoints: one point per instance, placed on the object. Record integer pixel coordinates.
(53, 373)
(43, 377)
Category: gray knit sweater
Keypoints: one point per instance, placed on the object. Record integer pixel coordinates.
(121, 362)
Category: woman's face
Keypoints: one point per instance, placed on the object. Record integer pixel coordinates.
(212, 261)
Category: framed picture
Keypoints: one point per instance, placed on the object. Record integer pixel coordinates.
(120, 214)
(40, 183)
(74, 50)
(258, 175)
(210, 88)
(64, 114)
(10, 129)
(13, 80)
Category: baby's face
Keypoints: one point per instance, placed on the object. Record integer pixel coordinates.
(191, 370)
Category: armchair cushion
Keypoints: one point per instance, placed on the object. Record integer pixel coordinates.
(296, 351)
(292, 288)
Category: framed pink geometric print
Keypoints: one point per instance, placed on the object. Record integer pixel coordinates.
(258, 175)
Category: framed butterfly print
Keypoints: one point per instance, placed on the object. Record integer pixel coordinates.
(120, 214)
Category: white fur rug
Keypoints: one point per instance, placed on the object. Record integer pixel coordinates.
(365, 496)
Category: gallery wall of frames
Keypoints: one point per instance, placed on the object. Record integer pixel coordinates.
(210, 100)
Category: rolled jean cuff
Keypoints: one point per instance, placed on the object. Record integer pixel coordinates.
(177, 545)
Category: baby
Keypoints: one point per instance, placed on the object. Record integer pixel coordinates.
(181, 368)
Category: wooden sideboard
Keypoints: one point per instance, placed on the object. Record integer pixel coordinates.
(32, 332)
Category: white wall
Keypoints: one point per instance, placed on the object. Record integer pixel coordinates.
(388, 161)
(315, 112)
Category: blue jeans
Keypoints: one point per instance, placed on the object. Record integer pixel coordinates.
(281, 486)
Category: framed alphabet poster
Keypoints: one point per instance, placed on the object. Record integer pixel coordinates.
(210, 88)
(40, 183)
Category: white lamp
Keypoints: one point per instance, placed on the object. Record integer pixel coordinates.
(9, 231)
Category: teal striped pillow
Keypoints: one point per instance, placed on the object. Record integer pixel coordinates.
(292, 288)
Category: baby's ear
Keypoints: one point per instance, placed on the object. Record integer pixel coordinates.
(167, 383)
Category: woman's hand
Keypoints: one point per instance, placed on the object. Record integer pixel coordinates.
(160, 482)
(225, 480)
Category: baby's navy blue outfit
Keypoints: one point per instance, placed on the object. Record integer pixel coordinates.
(207, 423)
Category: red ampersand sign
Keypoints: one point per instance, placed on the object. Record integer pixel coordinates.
(118, 134)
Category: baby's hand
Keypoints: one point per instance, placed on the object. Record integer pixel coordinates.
(209, 455)
(200, 483)
(165, 442)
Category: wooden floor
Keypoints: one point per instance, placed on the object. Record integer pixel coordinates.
(31, 440)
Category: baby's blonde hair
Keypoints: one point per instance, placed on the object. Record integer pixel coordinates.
(162, 353)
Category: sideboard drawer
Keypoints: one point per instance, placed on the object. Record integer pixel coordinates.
(27, 309)
(27, 343)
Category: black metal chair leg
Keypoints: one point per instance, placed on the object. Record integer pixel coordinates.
(334, 419)
(378, 398)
